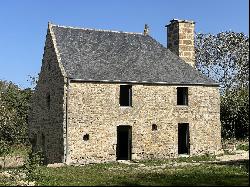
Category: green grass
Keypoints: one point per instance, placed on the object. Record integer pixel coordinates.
(145, 173)
(228, 152)
(117, 174)
(19, 150)
(244, 147)
(188, 159)
(120, 174)
(205, 157)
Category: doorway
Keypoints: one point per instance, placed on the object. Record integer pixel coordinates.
(124, 142)
(183, 138)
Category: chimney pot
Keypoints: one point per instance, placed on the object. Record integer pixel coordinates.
(146, 30)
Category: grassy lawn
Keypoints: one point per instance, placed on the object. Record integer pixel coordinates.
(147, 175)
(190, 171)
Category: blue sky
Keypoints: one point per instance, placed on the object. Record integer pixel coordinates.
(24, 24)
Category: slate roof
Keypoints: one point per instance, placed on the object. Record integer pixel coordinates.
(97, 55)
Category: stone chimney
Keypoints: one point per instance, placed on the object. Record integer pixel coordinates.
(180, 36)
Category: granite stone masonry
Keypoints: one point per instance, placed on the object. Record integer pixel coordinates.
(76, 115)
(180, 36)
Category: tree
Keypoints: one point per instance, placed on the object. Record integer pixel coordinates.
(225, 58)
(13, 112)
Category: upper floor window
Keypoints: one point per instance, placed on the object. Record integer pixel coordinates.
(125, 95)
(182, 96)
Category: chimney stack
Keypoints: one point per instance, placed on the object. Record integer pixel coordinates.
(180, 36)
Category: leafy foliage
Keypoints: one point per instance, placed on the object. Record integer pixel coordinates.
(225, 58)
(14, 105)
(235, 114)
(34, 160)
(4, 150)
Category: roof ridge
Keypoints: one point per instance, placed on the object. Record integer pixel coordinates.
(86, 29)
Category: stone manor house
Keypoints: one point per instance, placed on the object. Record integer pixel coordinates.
(111, 95)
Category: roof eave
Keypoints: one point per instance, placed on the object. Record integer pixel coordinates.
(143, 82)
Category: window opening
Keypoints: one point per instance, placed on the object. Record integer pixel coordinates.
(125, 95)
(86, 137)
(182, 96)
(154, 127)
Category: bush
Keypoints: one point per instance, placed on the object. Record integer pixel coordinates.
(34, 160)
(5, 149)
(235, 114)
(13, 113)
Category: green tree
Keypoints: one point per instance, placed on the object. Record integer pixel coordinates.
(13, 113)
(224, 57)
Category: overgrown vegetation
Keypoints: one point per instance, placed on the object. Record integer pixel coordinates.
(13, 113)
(33, 161)
(244, 147)
(4, 150)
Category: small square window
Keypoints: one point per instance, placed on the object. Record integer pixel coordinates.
(154, 127)
(86, 137)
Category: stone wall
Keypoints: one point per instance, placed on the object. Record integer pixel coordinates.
(47, 118)
(180, 34)
(94, 109)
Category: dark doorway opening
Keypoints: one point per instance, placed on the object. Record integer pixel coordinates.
(45, 161)
(124, 142)
(183, 138)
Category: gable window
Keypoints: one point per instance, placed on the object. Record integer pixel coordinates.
(125, 95)
(48, 101)
(49, 66)
(182, 96)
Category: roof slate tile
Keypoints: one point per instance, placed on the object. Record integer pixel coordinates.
(107, 55)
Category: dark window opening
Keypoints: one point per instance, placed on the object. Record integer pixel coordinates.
(183, 138)
(154, 127)
(48, 101)
(86, 137)
(49, 66)
(125, 95)
(182, 96)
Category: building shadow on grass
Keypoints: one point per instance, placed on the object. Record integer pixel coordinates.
(191, 177)
(240, 162)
